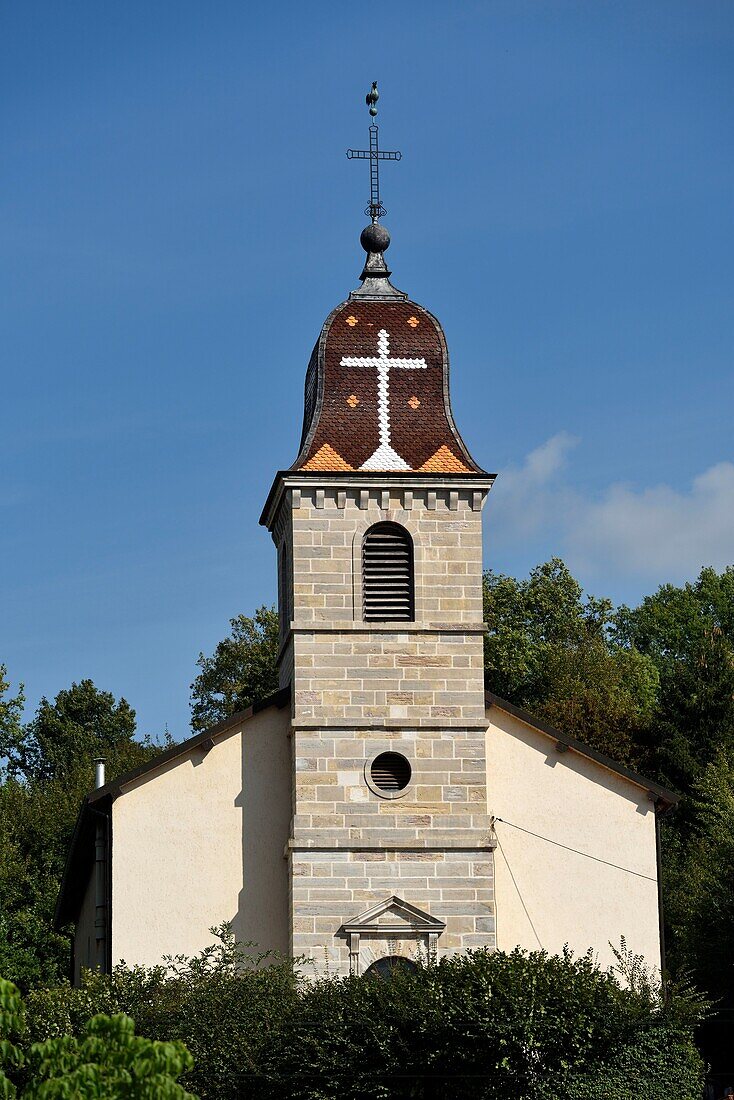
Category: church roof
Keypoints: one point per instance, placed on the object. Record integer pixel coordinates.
(662, 797)
(377, 385)
(81, 850)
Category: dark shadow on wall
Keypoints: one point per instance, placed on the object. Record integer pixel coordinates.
(265, 801)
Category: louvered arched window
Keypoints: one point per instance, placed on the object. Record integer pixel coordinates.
(387, 573)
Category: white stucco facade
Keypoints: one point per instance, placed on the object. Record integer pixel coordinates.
(562, 892)
(204, 838)
(200, 841)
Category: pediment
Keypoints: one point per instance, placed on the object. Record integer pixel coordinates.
(393, 915)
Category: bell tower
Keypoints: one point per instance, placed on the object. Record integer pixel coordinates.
(377, 526)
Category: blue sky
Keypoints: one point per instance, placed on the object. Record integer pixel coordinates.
(178, 217)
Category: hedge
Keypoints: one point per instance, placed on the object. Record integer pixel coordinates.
(108, 1061)
(487, 1025)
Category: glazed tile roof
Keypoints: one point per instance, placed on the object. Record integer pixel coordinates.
(377, 394)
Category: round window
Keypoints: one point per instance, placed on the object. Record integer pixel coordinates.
(390, 772)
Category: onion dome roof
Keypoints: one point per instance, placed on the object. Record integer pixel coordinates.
(377, 385)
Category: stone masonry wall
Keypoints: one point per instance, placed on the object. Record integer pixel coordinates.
(328, 525)
(359, 689)
(346, 669)
(444, 804)
(430, 847)
(329, 888)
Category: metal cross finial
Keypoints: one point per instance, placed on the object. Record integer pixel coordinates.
(374, 155)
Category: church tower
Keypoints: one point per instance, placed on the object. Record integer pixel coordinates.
(352, 816)
(377, 526)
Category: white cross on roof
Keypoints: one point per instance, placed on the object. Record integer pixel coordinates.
(385, 457)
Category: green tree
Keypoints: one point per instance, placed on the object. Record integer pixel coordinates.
(549, 649)
(81, 723)
(108, 1062)
(11, 715)
(688, 632)
(241, 670)
(699, 883)
(30, 950)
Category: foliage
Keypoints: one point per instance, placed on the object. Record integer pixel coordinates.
(81, 723)
(48, 773)
(688, 633)
(486, 1025)
(11, 715)
(223, 1004)
(643, 1067)
(108, 1062)
(549, 649)
(12, 1026)
(699, 882)
(35, 826)
(240, 671)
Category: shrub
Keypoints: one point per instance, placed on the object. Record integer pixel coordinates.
(221, 1004)
(648, 1066)
(487, 1025)
(109, 1061)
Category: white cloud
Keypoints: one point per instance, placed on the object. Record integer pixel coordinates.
(526, 498)
(661, 533)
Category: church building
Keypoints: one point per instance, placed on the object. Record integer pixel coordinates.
(382, 804)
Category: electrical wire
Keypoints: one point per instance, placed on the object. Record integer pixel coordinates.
(517, 888)
(587, 855)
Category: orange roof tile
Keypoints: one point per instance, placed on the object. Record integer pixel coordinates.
(326, 458)
(443, 462)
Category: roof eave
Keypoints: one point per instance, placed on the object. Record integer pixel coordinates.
(661, 794)
(279, 699)
(101, 799)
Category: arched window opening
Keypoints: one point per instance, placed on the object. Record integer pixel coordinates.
(387, 573)
(386, 967)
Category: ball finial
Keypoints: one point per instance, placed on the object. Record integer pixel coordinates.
(375, 238)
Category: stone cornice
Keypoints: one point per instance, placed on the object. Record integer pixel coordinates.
(437, 842)
(364, 482)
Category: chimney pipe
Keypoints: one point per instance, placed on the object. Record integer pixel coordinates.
(99, 764)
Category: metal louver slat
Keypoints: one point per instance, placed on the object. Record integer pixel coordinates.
(390, 771)
(387, 573)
